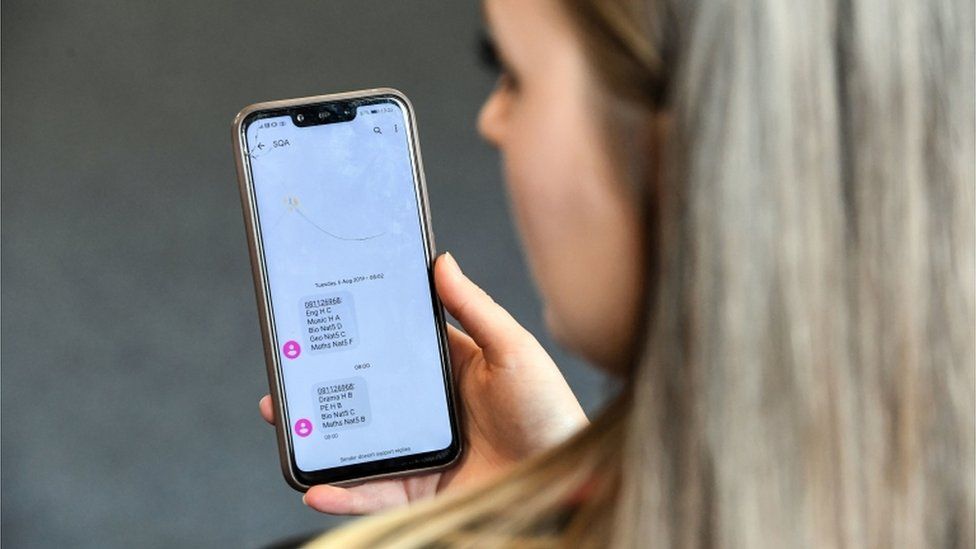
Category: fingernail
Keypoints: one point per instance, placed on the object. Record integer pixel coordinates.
(305, 498)
(452, 263)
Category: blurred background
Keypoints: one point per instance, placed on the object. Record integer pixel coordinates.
(131, 356)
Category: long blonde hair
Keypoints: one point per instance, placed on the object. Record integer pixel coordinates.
(806, 374)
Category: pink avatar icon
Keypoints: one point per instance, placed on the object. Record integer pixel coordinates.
(291, 349)
(303, 427)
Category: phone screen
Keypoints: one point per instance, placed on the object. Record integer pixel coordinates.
(340, 220)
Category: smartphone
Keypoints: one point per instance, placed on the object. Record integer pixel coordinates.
(338, 228)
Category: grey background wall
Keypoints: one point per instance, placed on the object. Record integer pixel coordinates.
(131, 360)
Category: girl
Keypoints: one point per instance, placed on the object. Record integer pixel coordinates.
(759, 215)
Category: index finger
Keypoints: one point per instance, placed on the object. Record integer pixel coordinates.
(264, 406)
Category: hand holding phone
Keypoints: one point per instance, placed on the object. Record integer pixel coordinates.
(516, 403)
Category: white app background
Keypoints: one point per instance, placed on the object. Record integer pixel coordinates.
(348, 281)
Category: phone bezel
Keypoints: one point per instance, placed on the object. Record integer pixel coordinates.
(349, 474)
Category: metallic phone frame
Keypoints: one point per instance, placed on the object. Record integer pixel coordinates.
(261, 287)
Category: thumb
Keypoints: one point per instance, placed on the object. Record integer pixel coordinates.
(488, 324)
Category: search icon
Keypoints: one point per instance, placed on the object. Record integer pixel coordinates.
(376, 129)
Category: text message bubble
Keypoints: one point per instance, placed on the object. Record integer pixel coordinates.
(329, 322)
(341, 404)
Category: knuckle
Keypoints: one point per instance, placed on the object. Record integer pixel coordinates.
(518, 350)
(464, 309)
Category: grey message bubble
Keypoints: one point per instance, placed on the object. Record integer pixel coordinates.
(342, 404)
(329, 322)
